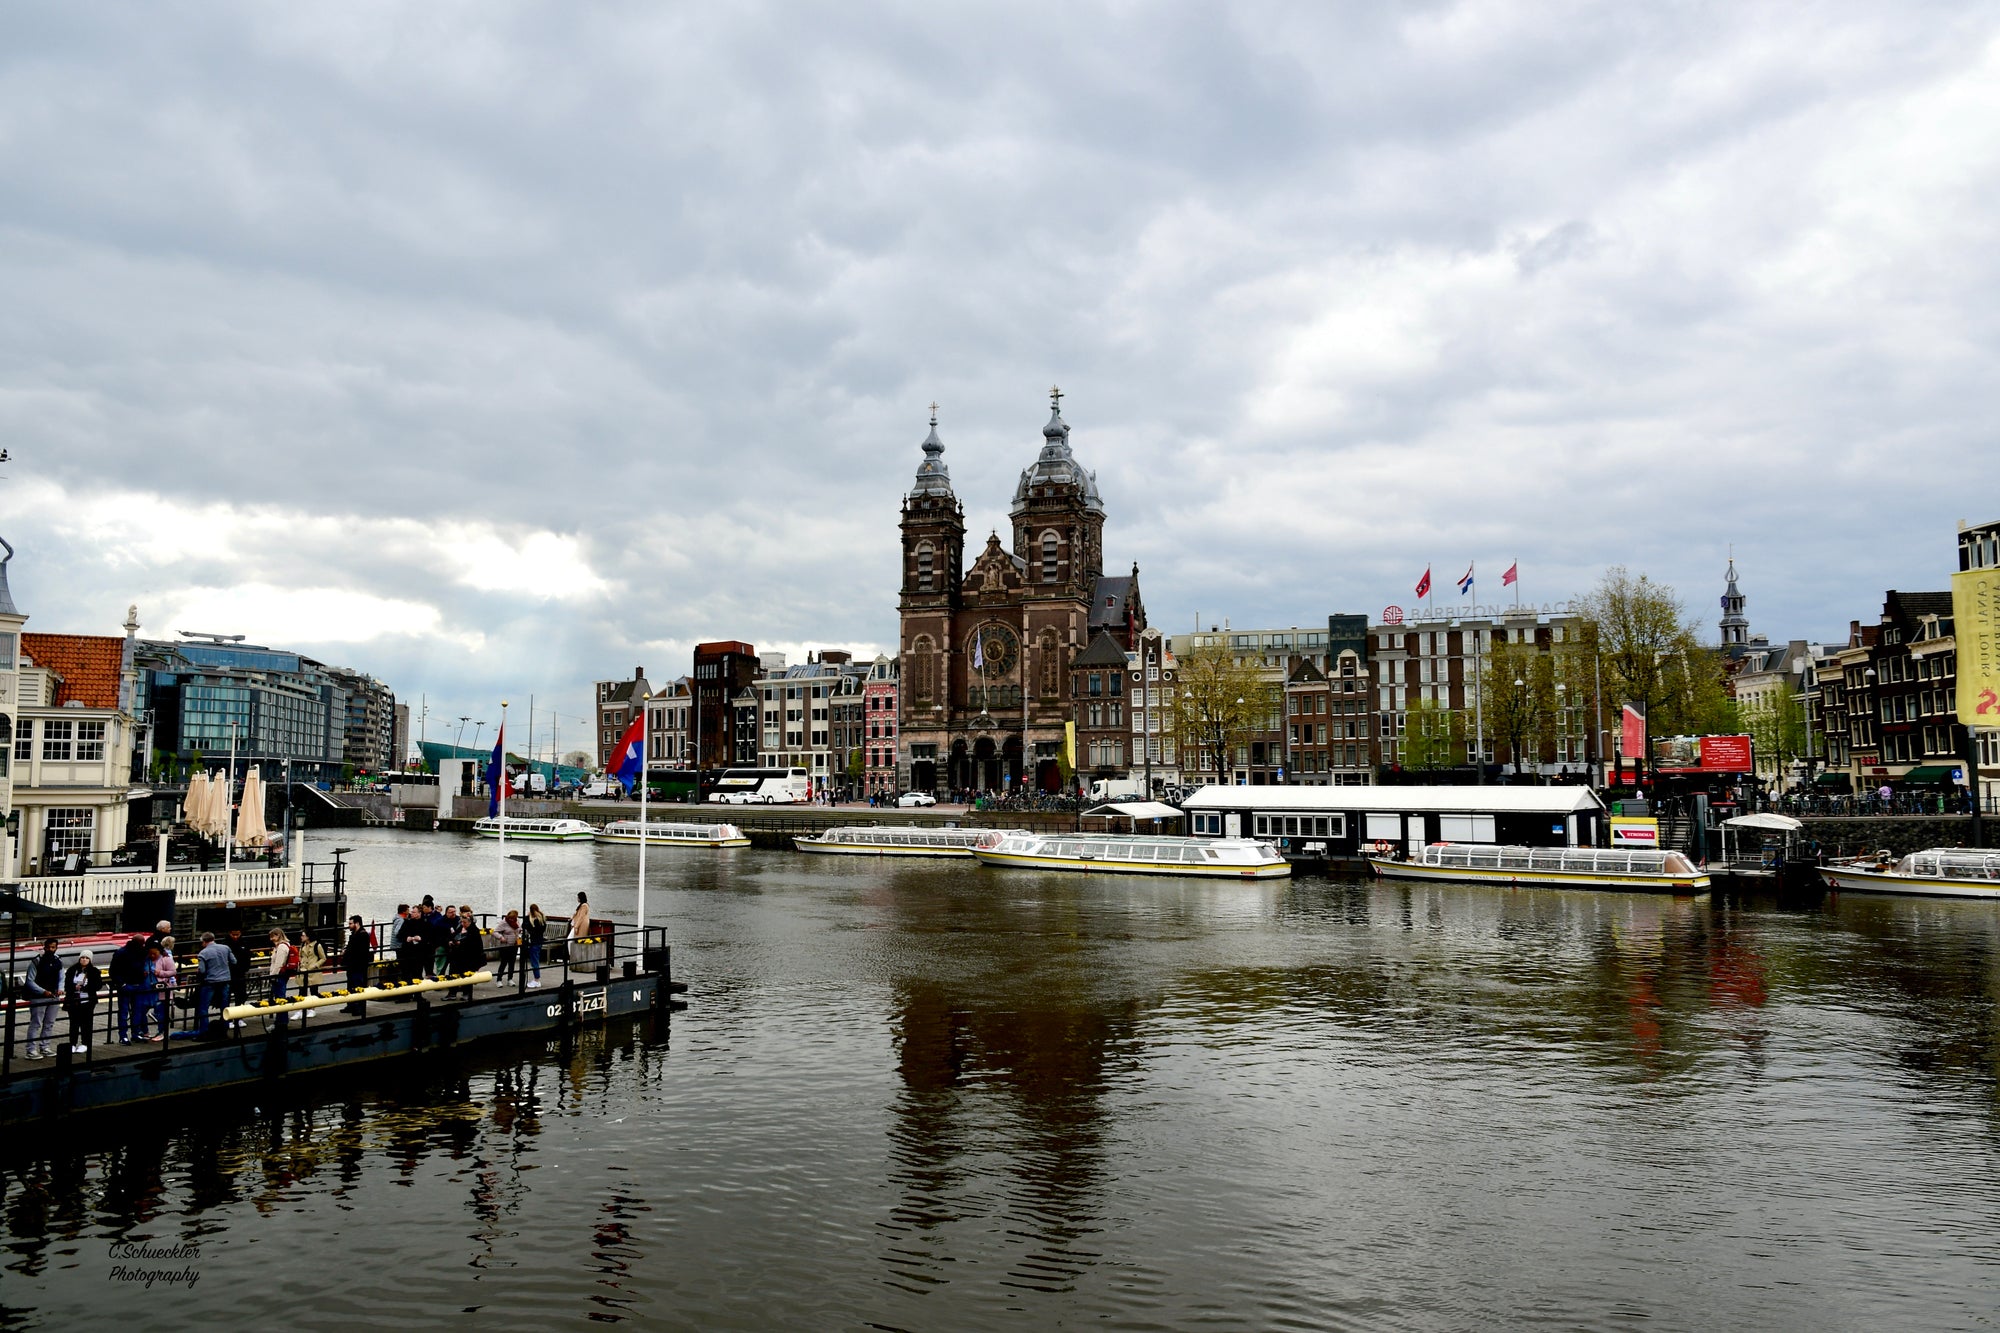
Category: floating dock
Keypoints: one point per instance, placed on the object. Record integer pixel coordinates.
(277, 1044)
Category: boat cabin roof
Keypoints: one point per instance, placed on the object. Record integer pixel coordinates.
(1414, 800)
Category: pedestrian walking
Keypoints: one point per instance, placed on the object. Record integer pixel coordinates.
(80, 986)
(44, 994)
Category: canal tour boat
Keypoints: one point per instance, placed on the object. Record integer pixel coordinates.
(1129, 854)
(1949, 872)
(895, 840)
(1555, 867)
(662, 834)
(535, 830)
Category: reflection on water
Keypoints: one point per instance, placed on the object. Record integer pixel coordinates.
(937, 1096)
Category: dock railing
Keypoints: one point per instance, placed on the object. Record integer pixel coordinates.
(151, 1015)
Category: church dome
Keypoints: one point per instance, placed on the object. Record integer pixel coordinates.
(1056, 466)
(933, 477)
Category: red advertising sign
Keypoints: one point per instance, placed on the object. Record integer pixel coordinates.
(1634, 737)
(1392, 615)
(1703, 754)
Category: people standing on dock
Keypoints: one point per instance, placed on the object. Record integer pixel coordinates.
(217, 962)
(239, 968)
(355, 959)
(536, 932)
(44, 993)
(284, 966)
(311, 959)
(163, 969)
(469, 945)
(127, 976)
(507, 939)
(81, 983)
(437, 938)
(161, 931)
(410, 948)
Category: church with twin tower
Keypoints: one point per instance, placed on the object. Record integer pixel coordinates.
(987, 648)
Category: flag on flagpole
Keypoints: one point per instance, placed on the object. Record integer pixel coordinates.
(1513, 574)
(496, 772)
(627, 756)
(1465, 584)
(1424, 583)
(979, 652)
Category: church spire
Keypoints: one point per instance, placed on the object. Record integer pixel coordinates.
(1735, 625)
(933, 477)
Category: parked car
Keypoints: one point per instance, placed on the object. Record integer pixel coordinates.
(910, 798)
(732, 798)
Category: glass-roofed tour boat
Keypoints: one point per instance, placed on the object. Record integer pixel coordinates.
(1129, 854)
(536, 830)
(1555, 867)
(894, 840)
(660, 833)
(1950, 872)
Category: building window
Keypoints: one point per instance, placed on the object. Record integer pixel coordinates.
(90, 741)
(56, 739)
(924, 562)
(1049, 560)
(69, 831)
(24, 742)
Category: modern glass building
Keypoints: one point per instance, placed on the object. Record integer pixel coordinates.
(200, 692)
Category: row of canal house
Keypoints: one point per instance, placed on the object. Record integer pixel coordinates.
(1339, 821)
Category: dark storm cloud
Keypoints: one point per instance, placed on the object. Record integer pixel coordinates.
(500, 347)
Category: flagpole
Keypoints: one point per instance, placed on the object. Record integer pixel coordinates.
(228, 810)
(643, 793)
(500, 865)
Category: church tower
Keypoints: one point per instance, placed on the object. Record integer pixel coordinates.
(1735, 625)
(1058, 517)
(933, 569)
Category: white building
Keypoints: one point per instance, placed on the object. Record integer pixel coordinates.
(73, 736)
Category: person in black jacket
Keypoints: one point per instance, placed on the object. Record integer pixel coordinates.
(468, 945)
(81, 984)
(44, 994)
(128, 979)
(356, 958)
(239, 967)
(410, 944)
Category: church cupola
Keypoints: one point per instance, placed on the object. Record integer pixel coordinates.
(933, 477)
(933, 530)
(1735, 625)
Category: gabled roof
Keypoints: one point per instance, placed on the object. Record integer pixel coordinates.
(1109, 600)
(89, 666)
(1102, 652)
(1305, 673)
(1916, 605)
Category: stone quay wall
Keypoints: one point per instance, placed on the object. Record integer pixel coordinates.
(1861, 835)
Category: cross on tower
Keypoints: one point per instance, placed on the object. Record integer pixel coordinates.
(1055, 398)
(934, 413)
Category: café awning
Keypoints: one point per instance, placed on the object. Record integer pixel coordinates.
(1927, 773)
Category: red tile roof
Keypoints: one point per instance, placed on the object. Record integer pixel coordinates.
(89, 664)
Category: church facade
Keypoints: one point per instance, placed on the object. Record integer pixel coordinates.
(986, 648)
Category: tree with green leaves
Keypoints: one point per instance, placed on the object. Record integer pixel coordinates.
(1433, 737)
(1776, 723)
(1652, 655)
(1218, 702)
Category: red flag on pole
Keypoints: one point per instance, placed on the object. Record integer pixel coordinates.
(1513, 574)
(1424, 583)
(1635, 733)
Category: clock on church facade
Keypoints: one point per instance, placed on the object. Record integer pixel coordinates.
(985, 649)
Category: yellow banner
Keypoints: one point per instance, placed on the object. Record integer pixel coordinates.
(1069, 744)
(1975, 610)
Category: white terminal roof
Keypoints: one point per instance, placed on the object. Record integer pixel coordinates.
(1424, 800)
(1136, 810)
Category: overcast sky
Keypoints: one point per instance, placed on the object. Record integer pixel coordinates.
(497, 348)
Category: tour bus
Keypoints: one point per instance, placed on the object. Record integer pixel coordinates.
(761, 786)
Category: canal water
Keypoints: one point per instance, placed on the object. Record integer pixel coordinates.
(932, 1096)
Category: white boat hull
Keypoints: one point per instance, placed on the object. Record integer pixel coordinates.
(1872, 881)
(1108, 866)
(1558, 879)
(514, 836)
(806, 844)
(657, 840)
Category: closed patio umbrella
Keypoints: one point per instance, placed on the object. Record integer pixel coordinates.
(194, 810)
(250, 831)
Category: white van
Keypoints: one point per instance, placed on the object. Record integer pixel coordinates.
(598, 789)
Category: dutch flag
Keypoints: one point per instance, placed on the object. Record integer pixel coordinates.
(1465, 584)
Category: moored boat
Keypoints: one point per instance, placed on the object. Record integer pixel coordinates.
(535, 830)
(895, 840)
(1127, 854)
(1949, 872)
(1556, 867)
(662, 834)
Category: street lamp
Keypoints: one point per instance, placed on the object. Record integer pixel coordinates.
(339, 883)
(459, 739)
(1520, 707)
(521, 969)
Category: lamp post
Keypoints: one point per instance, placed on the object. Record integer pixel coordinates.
(1562, 721)
(339, 883)
(521, 970)
(1514, 730)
